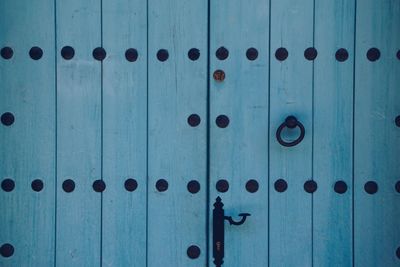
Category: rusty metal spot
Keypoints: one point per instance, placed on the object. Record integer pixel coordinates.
(219, 75)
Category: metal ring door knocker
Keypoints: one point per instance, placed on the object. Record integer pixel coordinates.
(290, 122)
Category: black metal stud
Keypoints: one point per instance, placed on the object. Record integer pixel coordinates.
(162, 55)
(131, 185)
(280, 185)
(99, 186)
(252, 54)
(37, 185)
(222, 53)
(193, 186)
(99, 53)
(222, 121)
(193, 120)
(67, 52)
(397, 121)
(340, 187)
(162, 185)
(397, 187)
(222, 186)
(310, 186)
(252, 186)
(6, 250)
(371, 187)
(36, 53)
(194, 54)
(68, 185)
(398, 252)
(341, 55)
(7, 52)
(7, 118)
(398, 55)
(193, 252)
(310, 53)
(131, 54)
(281, 54)
(373, 54)
(8, 185)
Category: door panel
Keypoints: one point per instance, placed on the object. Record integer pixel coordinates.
(177, 87)
(122, 127)
(376, 136)
(124, 133)
(239, 142)
(27, 146)
(333, 133)
(291, 94)
(79, 132)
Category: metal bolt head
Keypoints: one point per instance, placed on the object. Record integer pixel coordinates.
(219, 75)
(397, 121)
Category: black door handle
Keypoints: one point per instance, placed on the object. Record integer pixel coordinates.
(291, 122)
(219, 230)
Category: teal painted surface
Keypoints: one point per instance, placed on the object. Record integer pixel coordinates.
(27, 146)
(83, 119)
(239, 152)
(79, 91)
(377, 139)
(177, 88)
(124, 133)
(333, 134)
(291, 94)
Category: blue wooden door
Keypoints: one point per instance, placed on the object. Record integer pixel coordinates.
(200, 133)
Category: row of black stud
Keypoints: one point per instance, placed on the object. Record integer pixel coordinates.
(222, 121)
(7, 250)
(193, 186)
(222, 53)
(193, 120)
(193, 252)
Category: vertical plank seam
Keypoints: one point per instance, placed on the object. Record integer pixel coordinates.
(208, 171)
(312, 140)
(269, 131)
(353, 132)
(56, 128)
(147, 133)
(102, 135)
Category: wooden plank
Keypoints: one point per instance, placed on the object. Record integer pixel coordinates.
(79, 91)
(377, 138)
(239, 152)
(177, 88)
(124, 133)
(333, 134)
(27, 147)
(291, 94)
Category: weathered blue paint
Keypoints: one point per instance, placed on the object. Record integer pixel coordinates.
(291, 94)
(333, 133)
(83, 119)
(376, 137)
(79, 146)
(177, 88)
(27, 147)
(124, 133)
(239, 152)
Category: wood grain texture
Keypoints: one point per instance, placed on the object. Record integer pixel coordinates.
(124, 133)
(333, 133)
(239, 152)
(79, 91)
(291, 94)
(27, 149)
(177, 88)
(377, 139)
